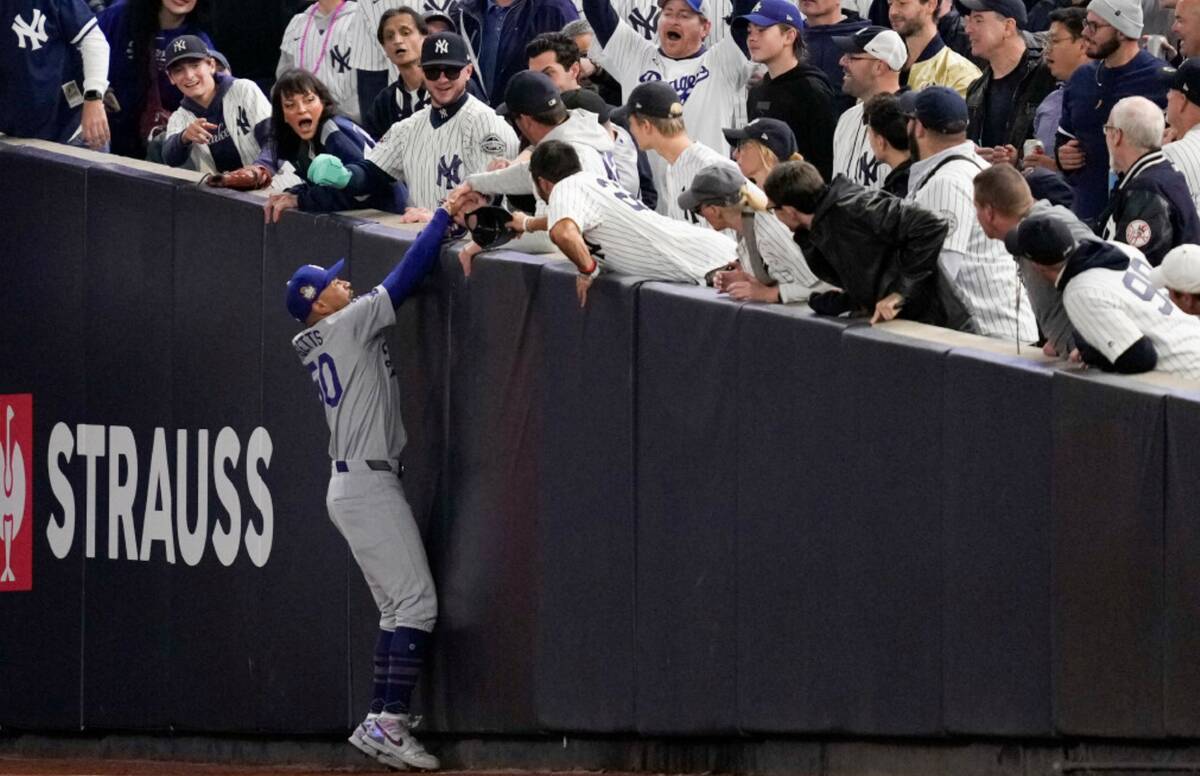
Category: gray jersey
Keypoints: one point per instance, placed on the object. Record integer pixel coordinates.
(348, 359)
(626, 236)
(432, 160)
(331, 47)
(852, 154)
(1112, 309)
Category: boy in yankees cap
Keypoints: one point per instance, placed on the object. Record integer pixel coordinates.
(343, 348)
(1122, 323)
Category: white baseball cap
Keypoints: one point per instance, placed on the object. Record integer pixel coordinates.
(1179, 271)
(885, 45)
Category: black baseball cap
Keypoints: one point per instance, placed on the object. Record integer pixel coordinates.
(772, 133)
(489, 226)
(717, 184)
(1043, 239)
(443, 17)
(939, 108)
(1187, 79)
(1013, 9)
(186, 47)
(529, 93)
(589, 101)
(653, 99)
(444, 48)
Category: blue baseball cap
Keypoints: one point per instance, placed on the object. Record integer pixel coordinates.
(772, 133)
(529, 93)
(769, 12)
(1043, 239)
(939, 108)
(306, 285)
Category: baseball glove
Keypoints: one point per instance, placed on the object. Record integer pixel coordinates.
(244, 179)
(488, 226)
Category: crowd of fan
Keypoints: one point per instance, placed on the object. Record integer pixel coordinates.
(1023, 170)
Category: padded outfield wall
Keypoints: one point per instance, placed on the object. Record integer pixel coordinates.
(666, 514)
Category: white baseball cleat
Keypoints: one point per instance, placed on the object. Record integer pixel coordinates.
(392, 737)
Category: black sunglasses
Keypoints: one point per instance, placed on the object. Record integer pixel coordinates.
(434, 72)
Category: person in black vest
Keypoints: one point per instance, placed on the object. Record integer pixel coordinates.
(1150, 208)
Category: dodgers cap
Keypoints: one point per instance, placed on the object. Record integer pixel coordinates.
(306, 285)
(1179, 271)
(1013, 9)
(186, 47)
(772, 133)
(717, 184)
(653, 99)
(529, 93)
(444, 48)
(939, 108)
(1042, 239)
(770, 12)
(885, 45)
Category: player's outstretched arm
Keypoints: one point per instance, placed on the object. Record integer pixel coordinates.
(422, 255)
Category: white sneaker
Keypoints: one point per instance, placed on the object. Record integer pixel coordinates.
(358, 739)
(391, 736)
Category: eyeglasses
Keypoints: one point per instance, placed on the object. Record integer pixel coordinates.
(1061, 41)
(1094, 26)
(434, 72)
(1110, 128)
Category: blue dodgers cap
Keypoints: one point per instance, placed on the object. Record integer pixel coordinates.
(769, 12)
(306, 285)
(1043, 239)
(939, 108)
(1013, 9)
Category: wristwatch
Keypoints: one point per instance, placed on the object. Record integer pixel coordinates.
(91, 95)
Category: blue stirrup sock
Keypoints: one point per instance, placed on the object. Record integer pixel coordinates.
(383, 645)
(405, 659)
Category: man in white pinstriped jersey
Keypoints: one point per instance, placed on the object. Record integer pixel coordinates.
(977, 267)
(1183, 115)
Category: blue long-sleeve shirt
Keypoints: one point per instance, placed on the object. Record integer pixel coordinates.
(418, 260)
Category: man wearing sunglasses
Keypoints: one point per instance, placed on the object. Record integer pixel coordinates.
(434, 150)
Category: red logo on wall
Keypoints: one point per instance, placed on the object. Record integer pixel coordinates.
(16, 492)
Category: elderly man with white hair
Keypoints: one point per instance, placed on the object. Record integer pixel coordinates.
(1150, 207)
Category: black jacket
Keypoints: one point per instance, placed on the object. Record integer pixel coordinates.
(896, 182)
(1151, 209)
(871, 244)
(1036, 82)
(803, 99)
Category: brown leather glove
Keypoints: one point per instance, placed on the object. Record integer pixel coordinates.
(244, 179)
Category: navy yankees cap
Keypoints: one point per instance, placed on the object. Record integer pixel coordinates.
(1187, 79)
(1042, 239)
(653, 99)
(772, 133)
(489, 226)
(1013, 9)
(589, 101)
(306, 285)
(444, 48)
(717, 184)
(939, 108)
(529, 93)
(770, 12)
(186, 47)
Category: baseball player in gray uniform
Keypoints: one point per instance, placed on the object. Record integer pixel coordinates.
(435, 149)
(343, 348)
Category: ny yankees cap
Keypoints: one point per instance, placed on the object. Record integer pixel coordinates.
(444, 48)
(717, 184)
(588, 100)
(652, 99)
(529, 93)
(1187, 79)
(939, 108)
(770, 12)
(885, 45)
(306, 285)
(1042, 239)
(772, 133)
(186, 47)
(1012, 9)
(1179, 271)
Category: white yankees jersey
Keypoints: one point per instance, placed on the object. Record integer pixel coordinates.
(432, 160)
(852, 154)
(1112, 309)
(367, 52)
(242, 109)
(624, 235)
(329, 46)
(979, 268)
(677, 176)
(642, 17)
(710, 86)
(347, 356)
(782, 258)
(1184, 153)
